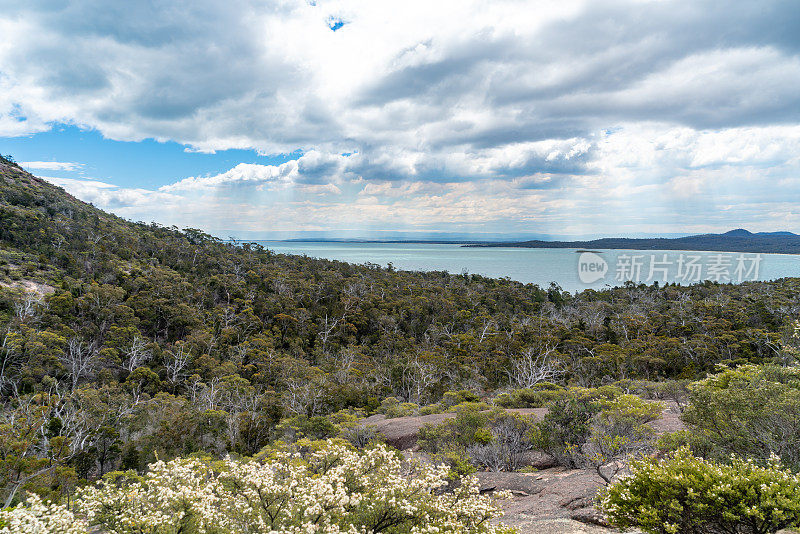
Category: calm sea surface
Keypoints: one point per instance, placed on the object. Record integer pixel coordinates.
(543, 266)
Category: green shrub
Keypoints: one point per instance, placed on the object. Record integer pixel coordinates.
(501, 445)
(618, 433)
(300, 426)
(346, 418)
(566, 428)
(467, 428)
(601, 393)
(453, 401)
(596, 429)
(697, 443)
(479, 406)
(344, 424)
(676, 391)
(452, 398)
(752, 411)
(536, 397)
(393, 407)
(457, 460)
(430, 409)
(684, 494)
(624, 414)
(493, 440)
(360, 436)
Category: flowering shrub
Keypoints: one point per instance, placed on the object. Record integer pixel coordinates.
(183, 495)
(329, 489)
(688, 495)
(40, 518)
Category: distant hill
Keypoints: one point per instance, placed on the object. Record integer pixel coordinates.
(738, 240)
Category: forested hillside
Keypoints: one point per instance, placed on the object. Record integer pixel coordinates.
(122, 341)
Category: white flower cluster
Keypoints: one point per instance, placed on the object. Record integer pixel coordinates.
(332, 490)
(40, 518)
(171, 496)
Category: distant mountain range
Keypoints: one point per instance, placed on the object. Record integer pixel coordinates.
(739, 240)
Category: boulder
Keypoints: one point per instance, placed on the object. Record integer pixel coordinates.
(590, 515)
(402, 432)
(538, 460)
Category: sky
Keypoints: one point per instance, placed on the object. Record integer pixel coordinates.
(356, 118)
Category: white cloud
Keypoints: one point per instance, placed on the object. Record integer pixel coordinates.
(448, 112)
(114, 198)
(320, 189)
(274, 77)
(639, 178)
(243, 173)
(51, 166)
(310, 168)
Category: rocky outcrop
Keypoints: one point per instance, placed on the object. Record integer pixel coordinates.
(670, 420)
(551, 500)
(560, 526)
(591, 516)
(29, 286)
(403, 432)
(556, 500)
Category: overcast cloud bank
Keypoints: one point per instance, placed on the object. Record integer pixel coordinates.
(550, 116)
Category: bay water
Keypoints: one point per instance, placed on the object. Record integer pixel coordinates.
(572, 269)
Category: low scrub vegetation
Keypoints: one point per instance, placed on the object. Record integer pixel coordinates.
(537, 396)
(599, 428)
(733, 470)
(494, 440)
(452, 401)
(313, 487)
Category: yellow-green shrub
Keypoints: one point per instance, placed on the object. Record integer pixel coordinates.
(684, 494)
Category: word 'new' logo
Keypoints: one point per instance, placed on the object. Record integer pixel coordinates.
(591, 267)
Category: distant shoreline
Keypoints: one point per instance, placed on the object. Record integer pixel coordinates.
(463, 244)
(387, 241)
(557, 245)
(736, 241)
(577, 246)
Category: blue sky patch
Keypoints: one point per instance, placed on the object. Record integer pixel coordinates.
(147, 163)
(335, 23)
